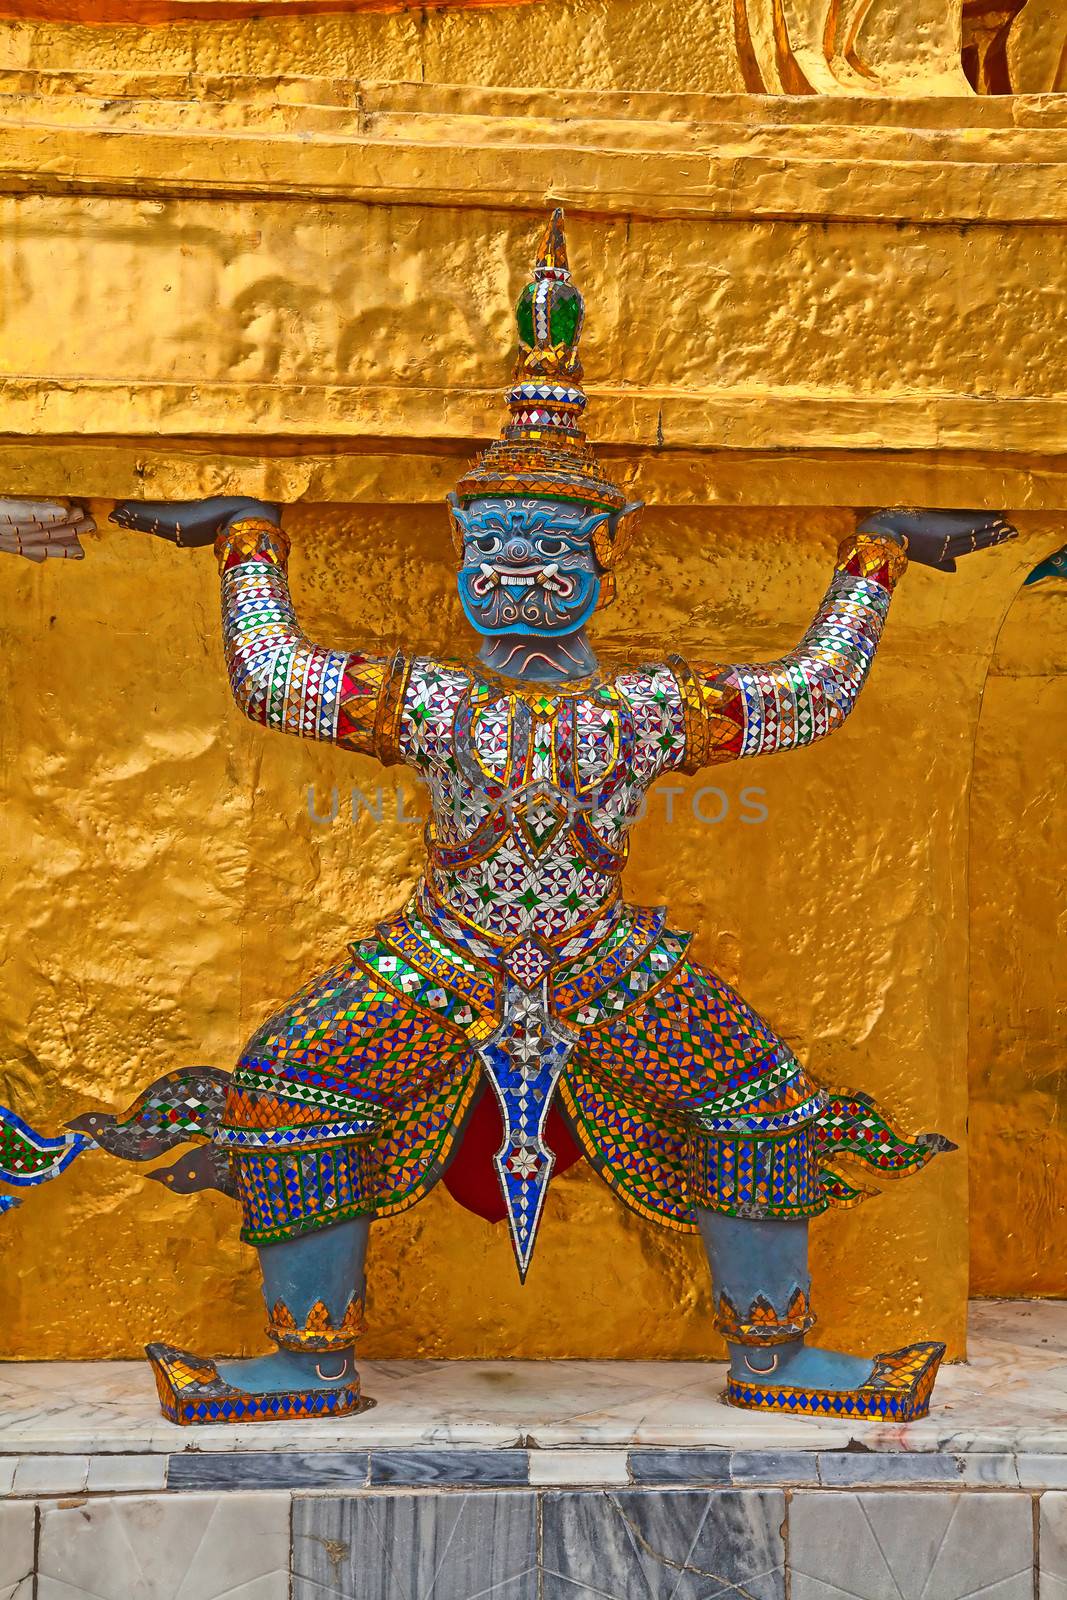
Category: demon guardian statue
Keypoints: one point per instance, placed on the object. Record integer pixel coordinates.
(516, 970)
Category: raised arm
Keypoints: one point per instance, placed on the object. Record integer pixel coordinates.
(279, 677)
(747, 710)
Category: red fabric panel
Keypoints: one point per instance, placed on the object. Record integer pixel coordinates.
(471, 1177)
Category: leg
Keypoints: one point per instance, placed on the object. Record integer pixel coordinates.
(313, 1287)
(765, 1264)
(691, 1107)
(312, 1129)
(762, 1297)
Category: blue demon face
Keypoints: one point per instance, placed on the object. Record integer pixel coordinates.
(528, 565)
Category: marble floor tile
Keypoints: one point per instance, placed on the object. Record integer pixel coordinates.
(847, 1469)
(999, 1469)
(486, 1467)
(918, 1545)
(1052, 1546)
(416, 1546)
(579, 1466)
(120, 1474)
(268, 1469)
(157, 1547)
(711, 1467)
(17, 1534)
(663, 1544)
(751, 1467)
(51, 1474)
(1042, 1472)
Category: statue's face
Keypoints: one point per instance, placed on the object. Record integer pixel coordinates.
(528, 565)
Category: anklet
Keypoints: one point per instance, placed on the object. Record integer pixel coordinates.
(332, 1377)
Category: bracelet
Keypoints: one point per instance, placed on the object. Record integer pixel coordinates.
(248, 538)
(867, 555)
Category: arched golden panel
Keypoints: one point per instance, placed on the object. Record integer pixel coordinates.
(1018, 1075)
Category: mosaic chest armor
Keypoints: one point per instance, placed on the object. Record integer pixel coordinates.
(533, 792)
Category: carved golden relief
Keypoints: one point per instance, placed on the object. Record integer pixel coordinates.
(1015, 46)
(861, 47)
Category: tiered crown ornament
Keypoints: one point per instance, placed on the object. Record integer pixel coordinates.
(543, 450)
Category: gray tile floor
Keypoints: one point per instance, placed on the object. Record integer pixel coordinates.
(923, 1545)
(472, 1542)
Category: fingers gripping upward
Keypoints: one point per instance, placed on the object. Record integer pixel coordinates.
(43, 529)
(939, 538)
(982, 537)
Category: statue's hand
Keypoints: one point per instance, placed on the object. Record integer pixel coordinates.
(40, 529)
(939, 538)
(190, 523)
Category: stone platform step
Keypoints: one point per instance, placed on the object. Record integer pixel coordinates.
(545, 1481)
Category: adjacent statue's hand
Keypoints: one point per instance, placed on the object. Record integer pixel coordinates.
(939, 538)
(190, 523)
(43, 529)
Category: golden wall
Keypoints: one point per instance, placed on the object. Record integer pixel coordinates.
(231, 262)
(556, 44)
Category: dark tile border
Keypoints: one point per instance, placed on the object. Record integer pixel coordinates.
(269, 1469)
(489, 1468)
(695, 1467)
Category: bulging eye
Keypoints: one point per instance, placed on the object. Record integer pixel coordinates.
(551, 547)
(487, 544)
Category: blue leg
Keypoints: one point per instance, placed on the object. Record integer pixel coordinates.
(316, 1346)
(762, 1287)
(763, 1308)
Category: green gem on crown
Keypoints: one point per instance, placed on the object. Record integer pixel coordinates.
(565, 311)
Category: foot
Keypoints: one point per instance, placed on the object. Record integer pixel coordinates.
(285, 1371)
(811, 1382)
(799, 1366)
(278, 1388)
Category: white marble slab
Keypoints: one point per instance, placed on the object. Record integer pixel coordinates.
(120, 1474)
(151, 1547)
(51, 1474)
(17, 1538)
(594, 1465)
(1052, 1544)
(1010, 1397)
(917, 1545)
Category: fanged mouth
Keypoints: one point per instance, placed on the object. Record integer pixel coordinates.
(541, 598)
(550, 579)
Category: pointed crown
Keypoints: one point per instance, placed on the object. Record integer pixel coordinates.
(543, 450)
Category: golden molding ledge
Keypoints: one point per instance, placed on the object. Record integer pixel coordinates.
(634, 418)
(369, 472)
(302, 287)
(943, 160)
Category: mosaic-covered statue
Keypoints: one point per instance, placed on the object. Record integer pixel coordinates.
(517, 989)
